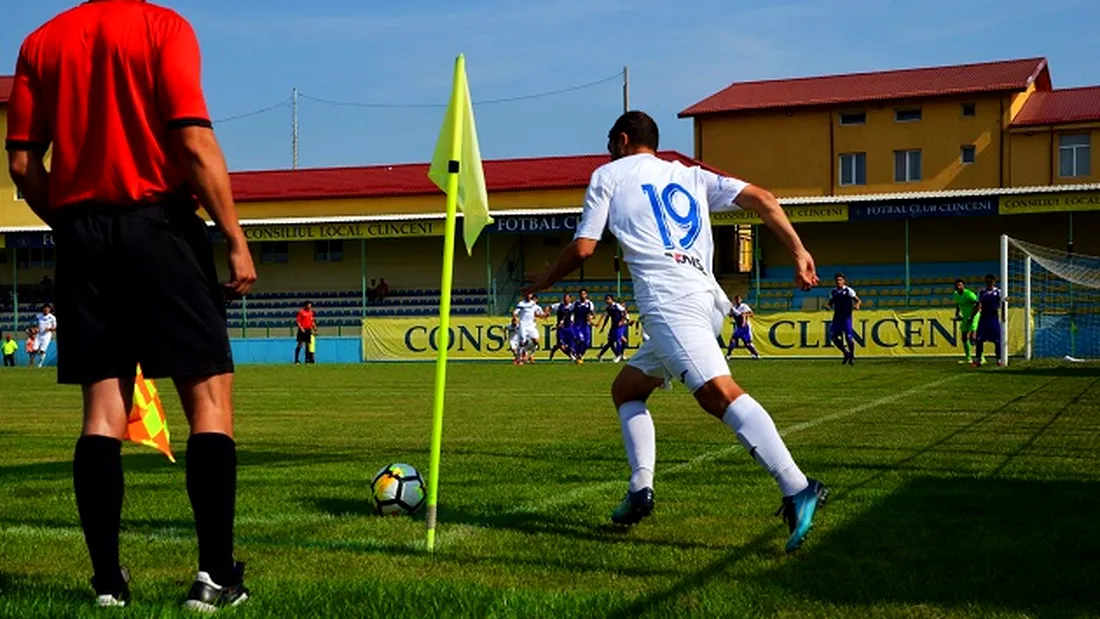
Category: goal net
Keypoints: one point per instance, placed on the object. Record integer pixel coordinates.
(1059, 293)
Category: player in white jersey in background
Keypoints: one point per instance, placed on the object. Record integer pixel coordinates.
(660, 213)
(47, 326)
(528, 311)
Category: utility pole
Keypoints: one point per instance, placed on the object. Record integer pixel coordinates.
(294, 129)
(626, 89)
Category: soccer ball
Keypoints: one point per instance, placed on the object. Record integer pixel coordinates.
(397, 489)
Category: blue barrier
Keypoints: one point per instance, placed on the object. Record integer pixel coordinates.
(280, 350)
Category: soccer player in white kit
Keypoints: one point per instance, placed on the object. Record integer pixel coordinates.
(47, 325)
(528, 311)
(660, 213)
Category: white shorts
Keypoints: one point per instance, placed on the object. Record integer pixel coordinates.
(528, 332)
(42, 343)
(514, 342)
(683, 342)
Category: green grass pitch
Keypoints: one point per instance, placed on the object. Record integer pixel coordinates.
(956, 493)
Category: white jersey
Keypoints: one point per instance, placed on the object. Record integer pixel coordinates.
(46, 323)
(660, 213)
(527, 311)
(740, 310)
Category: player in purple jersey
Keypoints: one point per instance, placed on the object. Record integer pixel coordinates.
(989, 319)
(740, 314)
(843, 301)
(583, 311)
(615, 316)
(564, 327)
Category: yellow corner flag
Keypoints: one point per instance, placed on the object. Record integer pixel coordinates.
(456, 169)
(148, 425)
(458, 143)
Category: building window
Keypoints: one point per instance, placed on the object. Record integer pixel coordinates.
(853, 169)
(907, 115)
(18, 194)
(34, 257)
(328, 251)
(970, 109)
(1073, 155)
(853, 118)
(969, 153)
(275, 252)
(906, 166)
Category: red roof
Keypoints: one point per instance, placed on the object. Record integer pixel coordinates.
(5, 87)
(411, 179)
(1004, 76)
(1068, 105)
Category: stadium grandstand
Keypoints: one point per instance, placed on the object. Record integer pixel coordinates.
(902, 180)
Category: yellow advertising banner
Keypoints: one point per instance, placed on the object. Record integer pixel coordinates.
(878, 333)
(1049, 203)
(364, 230)
(797, 214)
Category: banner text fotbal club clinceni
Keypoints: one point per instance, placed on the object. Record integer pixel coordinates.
(878, 333)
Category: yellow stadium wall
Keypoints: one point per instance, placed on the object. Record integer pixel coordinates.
(959, 239)
(787, 153)
(797, 153)
(1034, 155)
(404, 263)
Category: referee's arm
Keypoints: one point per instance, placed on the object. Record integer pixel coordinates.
(194, 148)
(28, 140)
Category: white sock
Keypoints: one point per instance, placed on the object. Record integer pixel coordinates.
(756, 431)
(640, 440)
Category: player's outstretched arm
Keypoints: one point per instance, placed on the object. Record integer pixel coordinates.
(753, 198)
(570, 259)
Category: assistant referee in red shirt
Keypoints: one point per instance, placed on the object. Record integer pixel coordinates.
(114, 87)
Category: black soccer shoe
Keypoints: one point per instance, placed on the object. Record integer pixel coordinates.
(635, 506)
(112, 592)
(207, 596)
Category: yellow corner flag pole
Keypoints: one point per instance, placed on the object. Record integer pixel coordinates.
(456, 169)
(454, 120)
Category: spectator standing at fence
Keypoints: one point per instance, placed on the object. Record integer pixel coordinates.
(307, 324)
(114, 88)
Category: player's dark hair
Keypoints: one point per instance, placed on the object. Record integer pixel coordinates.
(959, 281)
(45, 305)
(584, 290)
(307, 304)
(839, 276)
(990, 276)
(638, 127)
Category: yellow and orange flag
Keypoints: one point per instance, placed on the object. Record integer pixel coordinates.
(148, 425)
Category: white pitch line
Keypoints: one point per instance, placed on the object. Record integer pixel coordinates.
(456, 534)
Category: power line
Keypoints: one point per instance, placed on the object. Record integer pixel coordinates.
(254, 112)
(539, 95)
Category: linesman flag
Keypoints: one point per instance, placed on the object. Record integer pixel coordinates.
(458, 143)
(148, 425)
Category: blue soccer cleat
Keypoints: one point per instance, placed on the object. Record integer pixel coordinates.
(635, 506)
(798, 512)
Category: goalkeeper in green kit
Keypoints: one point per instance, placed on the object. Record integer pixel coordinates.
(966, 312)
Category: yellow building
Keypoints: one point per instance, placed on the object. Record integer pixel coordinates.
(975, 126)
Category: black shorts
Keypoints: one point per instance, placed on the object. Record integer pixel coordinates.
(304, 335)
(137, 285)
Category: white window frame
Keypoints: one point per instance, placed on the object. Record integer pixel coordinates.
(1075, 151)
(854, 158)
(901, 110)
(909, 176)
(326, 254)
(273, 257)
(974, 154)
(863, 114)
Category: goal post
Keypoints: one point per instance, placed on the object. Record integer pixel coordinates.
(1055, 295)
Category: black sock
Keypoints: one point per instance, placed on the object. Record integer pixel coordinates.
(98, 482)
(297, 352)
(212, 487)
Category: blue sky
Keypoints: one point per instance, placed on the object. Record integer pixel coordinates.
(255, 51)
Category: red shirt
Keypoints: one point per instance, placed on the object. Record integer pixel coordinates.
(305, 320)
(103, 83)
